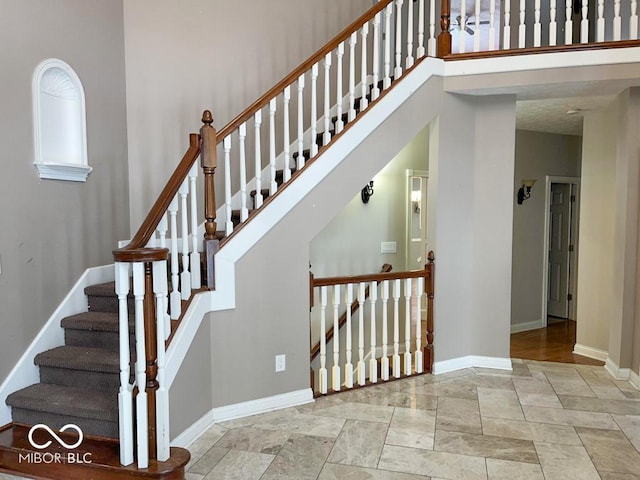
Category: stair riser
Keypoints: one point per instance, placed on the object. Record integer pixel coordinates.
(96, 339)
(107, 304)
(107, 382)
(88, 426)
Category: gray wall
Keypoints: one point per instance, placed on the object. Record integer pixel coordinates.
(537, 155)
(212, 54)
(53, 230)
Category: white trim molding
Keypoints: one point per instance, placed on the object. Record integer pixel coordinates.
(615, 371)
(64, 171)
(469, 361)
(526, 326)
(25, 372)
(634, 379)
(240, 410)
(590, 352)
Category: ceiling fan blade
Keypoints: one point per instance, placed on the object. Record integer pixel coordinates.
(469, 31)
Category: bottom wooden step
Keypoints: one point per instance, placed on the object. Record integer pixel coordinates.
(95, 459)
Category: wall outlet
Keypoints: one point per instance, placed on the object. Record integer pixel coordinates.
(281, 364)
(388, 247)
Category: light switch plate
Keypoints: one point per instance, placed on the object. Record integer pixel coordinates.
(388, 247)
(281, 365)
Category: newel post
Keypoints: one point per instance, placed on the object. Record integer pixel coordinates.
(444, 38)
(209, 162)
(429, 281)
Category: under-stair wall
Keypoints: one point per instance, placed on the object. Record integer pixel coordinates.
(53, 230)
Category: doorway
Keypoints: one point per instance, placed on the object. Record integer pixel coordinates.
(416, 223)
(560, 249)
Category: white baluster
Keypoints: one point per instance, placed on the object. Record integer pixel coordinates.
(314, 110)
(273, 187)
(373, 364)
(364, 103)
(584, 23)
(142, 425)
(348, 368)
(353, 40)
(633, 21)
(506, 29)
(617, 22)
(300, 122)
(287, 152)
(397, 73)
(326, 136)
(396, 329)
(375, 90)
(492, 25)
(463, 23)
(407, 327)
(162, 394)
(409, 61)
(568, 23)
(432, 44)
(335, 371)
(162, 234)
(384, 367)
(522, 29)
(386, 82)
(600, 22)
(339, 123)
(537, 27)
(418, 354)
(476, 37)
(323, 340)
(420, 51)
(258, 160)
(196, 281)
(553, 24)
(175, 306)
(362, 374)
(185, 276)
(125, 410)
(226, 144)
(244, 211)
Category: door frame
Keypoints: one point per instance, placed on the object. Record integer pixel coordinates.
(549, 179)
(407, 221)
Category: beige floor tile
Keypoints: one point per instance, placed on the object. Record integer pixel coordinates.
(539, 400)
(292, 421)
(630, 425)
(358, 411)
(204, 442)
(610, 450)
(187, 476)
(486, 381)
(563, 462)
(412, 428)
(572, 418)
(240, 465)
(435, 464)
(537, 432)
(359, 444)
(301, 458)
(253, 440)
(332, 471)
(507, 470)
(209, 460)
(499, 404)
(623, 407)
(458, 414)
(447, 389)
(618, 476)
(502, 448)
(533, 386)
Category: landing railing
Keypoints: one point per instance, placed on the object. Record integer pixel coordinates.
(406, 346)
(493, 25)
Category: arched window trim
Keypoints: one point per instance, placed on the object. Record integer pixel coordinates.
(72, 171)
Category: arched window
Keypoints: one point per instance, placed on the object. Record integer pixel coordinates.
(59, 119)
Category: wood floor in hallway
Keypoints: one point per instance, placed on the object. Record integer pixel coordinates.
(553, 344)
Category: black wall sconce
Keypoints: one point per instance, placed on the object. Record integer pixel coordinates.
(525, 190)
(367, 192)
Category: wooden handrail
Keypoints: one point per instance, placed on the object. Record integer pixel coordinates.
(315, 351)
(133, 252)
(374, 277)
(303, 68)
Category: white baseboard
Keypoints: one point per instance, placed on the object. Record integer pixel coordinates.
(239, 410)
(615, 371)
(471, 361)
(524, 327)
(634, 379)
(590, 352)
(51, 335)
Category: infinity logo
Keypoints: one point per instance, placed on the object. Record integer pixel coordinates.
(53, 434)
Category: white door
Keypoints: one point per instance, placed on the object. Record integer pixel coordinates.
(559, 245)
(417, 222)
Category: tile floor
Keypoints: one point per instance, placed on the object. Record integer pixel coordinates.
(543, 420)
(540, 421)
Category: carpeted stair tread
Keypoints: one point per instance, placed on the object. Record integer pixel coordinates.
(71, 401)
(94, 321)
(107, 289)
(80, 358)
